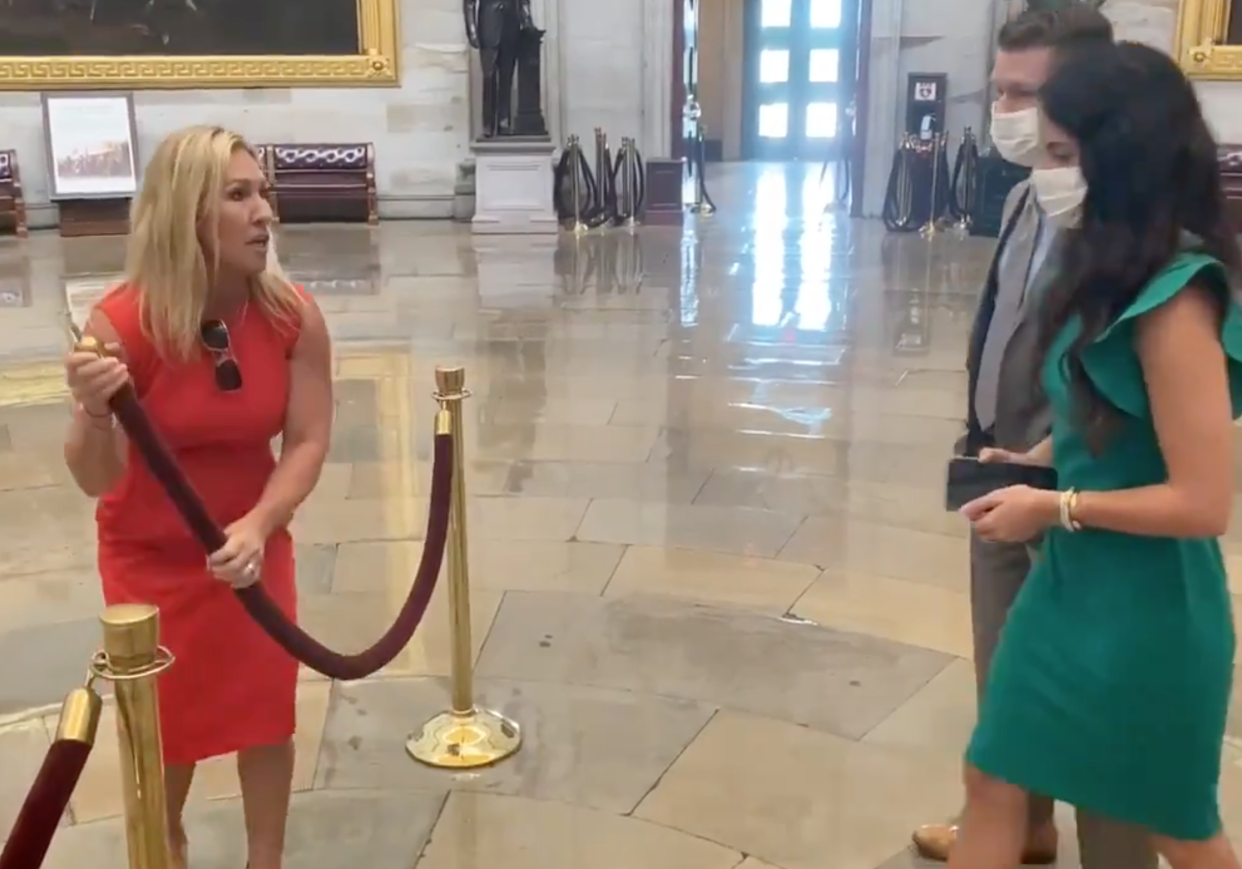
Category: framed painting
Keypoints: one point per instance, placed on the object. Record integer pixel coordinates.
(91, 143)
(171, 44)
(1209, 39)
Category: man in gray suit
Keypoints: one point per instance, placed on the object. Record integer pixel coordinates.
(1006, 407)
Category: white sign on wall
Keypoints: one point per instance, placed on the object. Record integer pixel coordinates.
(90, 145)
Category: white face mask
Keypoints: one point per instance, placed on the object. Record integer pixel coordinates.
(1016, 135)
(1060, 193)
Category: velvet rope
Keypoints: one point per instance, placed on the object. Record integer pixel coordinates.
(293, 639)
(45, 803)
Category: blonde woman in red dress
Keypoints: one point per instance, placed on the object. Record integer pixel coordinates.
(225, 355)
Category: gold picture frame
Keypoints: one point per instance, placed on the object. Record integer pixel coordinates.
(1202, 28)
(376, 65)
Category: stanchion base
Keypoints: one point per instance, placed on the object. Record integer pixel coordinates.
(455, 741)
(702, 209)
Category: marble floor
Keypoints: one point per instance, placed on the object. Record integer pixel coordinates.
(712, 576)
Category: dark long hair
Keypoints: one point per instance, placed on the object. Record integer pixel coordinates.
(1152, 178)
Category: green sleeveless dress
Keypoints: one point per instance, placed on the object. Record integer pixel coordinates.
(1110, 687)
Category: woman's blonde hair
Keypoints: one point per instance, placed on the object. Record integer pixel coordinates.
(166, 262)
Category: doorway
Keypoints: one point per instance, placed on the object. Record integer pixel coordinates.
(801, 69)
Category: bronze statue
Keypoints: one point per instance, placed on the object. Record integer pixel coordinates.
(528, 120)
(496, 28)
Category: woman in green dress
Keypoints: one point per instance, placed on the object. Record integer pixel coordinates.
(1111, 685)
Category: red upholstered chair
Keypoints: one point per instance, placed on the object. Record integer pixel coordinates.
(323, 182)
(12, 201)
(1231, 179)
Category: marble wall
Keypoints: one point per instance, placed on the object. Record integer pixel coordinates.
(606, 64)
(601, 72)
(1155, 23)
(1150, 21)
(955, 37)
(942, 36)
(420, 130)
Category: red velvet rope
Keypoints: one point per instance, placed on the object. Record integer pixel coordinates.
(45, 803)
(292, 638)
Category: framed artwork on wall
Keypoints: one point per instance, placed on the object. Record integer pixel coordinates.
(1209, 39)
(1053, 5)
(91, 145)
(172, 44)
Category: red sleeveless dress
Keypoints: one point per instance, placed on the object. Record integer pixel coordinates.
(231, 687)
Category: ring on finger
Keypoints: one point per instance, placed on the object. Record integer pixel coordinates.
(251, 570)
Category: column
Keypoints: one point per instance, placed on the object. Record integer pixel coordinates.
(547, 15)
(884, 101)
(657, 65)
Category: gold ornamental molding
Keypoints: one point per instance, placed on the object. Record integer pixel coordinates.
(377, 64)
(32, 383)
(1202, 29)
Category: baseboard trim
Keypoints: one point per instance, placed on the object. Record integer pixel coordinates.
(419, 206)
(433, 206)
(41, 215)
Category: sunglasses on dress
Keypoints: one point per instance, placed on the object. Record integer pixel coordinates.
(215, 336)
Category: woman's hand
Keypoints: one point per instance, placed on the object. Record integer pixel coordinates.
(994, 455)
(239, 562)
(1014, 514)
(94, 379)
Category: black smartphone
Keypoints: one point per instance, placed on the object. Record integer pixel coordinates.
(969, 478)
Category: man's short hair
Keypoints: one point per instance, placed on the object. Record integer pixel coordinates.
(1074, 27)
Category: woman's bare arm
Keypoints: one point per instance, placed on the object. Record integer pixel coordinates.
(1041, 453)
(95, 447)
(308, 424)
(1185, 369)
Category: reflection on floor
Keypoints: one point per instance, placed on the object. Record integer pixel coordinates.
(712, 575)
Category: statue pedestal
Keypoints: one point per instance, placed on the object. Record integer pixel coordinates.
(513, 186)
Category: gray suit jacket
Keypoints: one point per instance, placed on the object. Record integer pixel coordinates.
(1023, 418)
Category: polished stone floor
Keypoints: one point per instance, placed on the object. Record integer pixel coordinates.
(713, 579)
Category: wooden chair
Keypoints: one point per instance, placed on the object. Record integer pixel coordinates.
(1230, 157)
(12, 201)
(323, 182)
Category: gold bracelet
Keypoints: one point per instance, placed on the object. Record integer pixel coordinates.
(1069, 503)
(1066, 495)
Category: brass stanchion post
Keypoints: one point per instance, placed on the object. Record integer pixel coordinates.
(602, 171)
(630, 166)
(575, 185)
(131, 660)
(702, 205)
(932, 227)
(969, 167)
(465, 735)
(79, 716)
